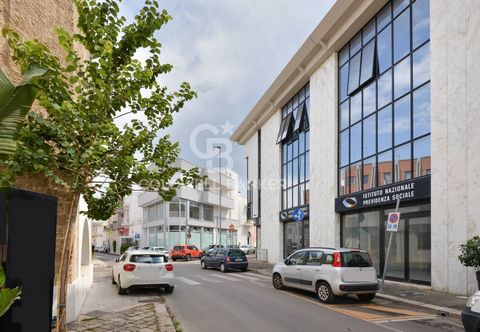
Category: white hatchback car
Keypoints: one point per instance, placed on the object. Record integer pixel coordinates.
(160, 250)
(142, 268)
(329, 272)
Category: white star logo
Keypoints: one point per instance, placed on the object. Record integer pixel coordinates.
(227, 128)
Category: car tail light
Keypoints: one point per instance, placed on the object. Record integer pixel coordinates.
(169, 267)
(228, 258)
(337, 260)
(129, 267)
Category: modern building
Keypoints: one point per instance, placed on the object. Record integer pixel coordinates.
(379, 103)
(195, 215)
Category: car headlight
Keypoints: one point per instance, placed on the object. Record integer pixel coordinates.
(475, 298)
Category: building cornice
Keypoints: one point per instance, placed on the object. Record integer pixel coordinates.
(339, 25)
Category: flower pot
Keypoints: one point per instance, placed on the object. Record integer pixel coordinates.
(477, 274)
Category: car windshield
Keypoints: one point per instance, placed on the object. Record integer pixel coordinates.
(356, 259)
(236, 253)
(145, 258)
(178, 248)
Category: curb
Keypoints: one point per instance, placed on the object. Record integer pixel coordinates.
(165, 321)
(442, 311)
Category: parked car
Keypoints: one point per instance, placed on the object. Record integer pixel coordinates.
(211, 247)
(160, 250)
(247, 249)
(471, 314)
(225, 259)
(140, 268)
(185, 252)
(132, 248)
(329, 272)
(100, 249)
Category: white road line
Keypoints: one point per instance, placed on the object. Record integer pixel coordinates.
(207, 279)
(224, 277)
(238, 275)
(188, 281)
(258, 275)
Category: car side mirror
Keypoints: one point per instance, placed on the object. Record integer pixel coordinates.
(116, 260)
(286, 261)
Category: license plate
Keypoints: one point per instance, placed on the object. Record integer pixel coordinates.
(238, 260)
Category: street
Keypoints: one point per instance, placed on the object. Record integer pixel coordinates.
(208, 300)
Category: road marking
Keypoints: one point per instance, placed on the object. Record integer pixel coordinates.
(208, 279)
(224, 277)
(258, 275)
(246, 277)
(188, 281)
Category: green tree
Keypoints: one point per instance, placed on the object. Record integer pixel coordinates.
(77, 143)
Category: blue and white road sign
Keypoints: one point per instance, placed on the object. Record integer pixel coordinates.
(298, 214)
(137, 236)
(393, 221)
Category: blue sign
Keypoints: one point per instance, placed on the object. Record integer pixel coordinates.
(137, 236)
(298, 214)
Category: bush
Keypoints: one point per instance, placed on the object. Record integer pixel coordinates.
(124, 247)
(470, 253)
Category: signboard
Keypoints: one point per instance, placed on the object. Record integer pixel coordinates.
(137, 236)
(298, 215)
(231, 228)
(289, 215)
(393, 221)
(409, 190)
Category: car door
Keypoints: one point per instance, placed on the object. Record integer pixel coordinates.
(292, 271)
(312, 268)
(219, 256)
(209, 258)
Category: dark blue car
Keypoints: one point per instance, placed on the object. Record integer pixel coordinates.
(225, 259)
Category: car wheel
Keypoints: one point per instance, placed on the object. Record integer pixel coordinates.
(366, 297)
(169, 289)
(121, 291)
(277, 281)
(223, 268)
(204, 266)
(324, 292)
(189, 257)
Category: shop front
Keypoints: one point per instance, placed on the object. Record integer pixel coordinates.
(295, 231)
(363, 225)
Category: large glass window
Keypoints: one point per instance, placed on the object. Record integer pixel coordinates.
(154, 212)
(296, 151)
(194, 210)
(177, 208)
(384, 118)
(207, 212)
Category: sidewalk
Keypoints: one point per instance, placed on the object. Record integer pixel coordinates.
(104, 310)
(445, 304)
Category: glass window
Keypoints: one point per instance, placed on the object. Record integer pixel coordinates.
(295, 171)
(421, 111)
(301, 142)
(384, 49)
(174, 208)
(344, 146)
(420, 22)
(356, 108)
(369, 99)
(314, 258)
(307, 166)
(344, 185)
(207, 212)
(194, 210)
(301, 167)
(295, 148)
(402, 78)
(183, 208)
(403, 162)
(369, 136)
(385, 129)
(385, 89)
(343, 55)
(355, 44)
(355, 177)
(295, 196)
(421, 65)
(401, 36)
(289, 174)
(384, 168)
(369, 173)
(402, 120)
(344, 121)
(307, 140)
(384, 17)
(343, 82)
(300, 116)
(399, 5)
(421, 156)
(354, 74)
(368, 60)
(298, 258)
(356, 142)
(368, 31)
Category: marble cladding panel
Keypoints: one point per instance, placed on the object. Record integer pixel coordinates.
(324, 222)
(251, 151)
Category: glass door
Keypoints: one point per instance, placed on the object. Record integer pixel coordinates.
(396, 258)
(419, 249)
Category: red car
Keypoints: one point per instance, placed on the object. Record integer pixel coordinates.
(185, 252)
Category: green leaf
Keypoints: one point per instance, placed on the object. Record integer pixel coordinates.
(7, 297)
(2, 276)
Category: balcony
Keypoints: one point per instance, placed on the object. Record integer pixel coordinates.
(214, 179)
(206, 197)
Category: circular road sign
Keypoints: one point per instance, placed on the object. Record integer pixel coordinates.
(298, 214)
(231, 228)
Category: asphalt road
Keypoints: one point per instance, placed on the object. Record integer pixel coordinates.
(211, 301)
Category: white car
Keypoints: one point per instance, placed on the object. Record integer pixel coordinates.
(329, 272)
(142, 268)
(245, 248)
(160, 250)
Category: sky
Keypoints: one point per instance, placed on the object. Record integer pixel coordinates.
(230, 51)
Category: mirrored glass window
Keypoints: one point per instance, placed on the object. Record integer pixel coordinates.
(402, 78)
(384, 49)
(369, 136)
(420, 22)
(355, 108)
(421, 156)
(421, 65)
(384, 86)
(385, 128)
(369, 99)
(403, 162)
(421, 111)
(401, 36)
(402, 120)
(356, 142)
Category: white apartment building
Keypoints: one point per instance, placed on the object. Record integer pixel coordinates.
(195, 215)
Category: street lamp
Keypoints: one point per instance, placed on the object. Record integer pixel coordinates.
(220, 195)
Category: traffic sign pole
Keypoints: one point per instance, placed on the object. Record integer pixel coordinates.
(388, 250)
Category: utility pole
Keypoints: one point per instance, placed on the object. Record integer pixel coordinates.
(220, 195)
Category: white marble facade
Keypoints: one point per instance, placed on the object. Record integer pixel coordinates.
(455, 115)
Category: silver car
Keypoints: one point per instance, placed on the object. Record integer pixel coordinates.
(329, 272)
